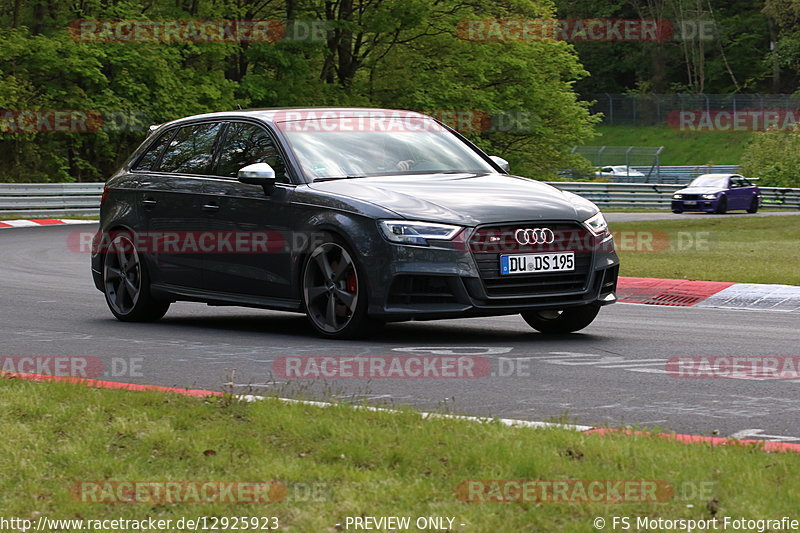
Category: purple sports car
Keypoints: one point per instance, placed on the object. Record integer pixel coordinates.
(717, 193)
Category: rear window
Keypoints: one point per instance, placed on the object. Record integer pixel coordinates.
(191, 151)
(149, 160)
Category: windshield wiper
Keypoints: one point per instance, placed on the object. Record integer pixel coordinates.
(339, 178)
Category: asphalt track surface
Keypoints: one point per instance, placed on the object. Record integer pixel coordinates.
(611, 374)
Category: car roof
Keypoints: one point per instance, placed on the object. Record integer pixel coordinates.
(719, 176)
(278, 114)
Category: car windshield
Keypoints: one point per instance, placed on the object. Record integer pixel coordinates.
(346, 147)
(710, 181)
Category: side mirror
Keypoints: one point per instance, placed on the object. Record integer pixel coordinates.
(258, 174)
(500, 162)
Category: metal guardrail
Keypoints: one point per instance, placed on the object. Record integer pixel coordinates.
(50, 199)
(70, 199)
(676, 174)
(659, 195)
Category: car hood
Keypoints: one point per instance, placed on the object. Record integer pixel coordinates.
(465, 199)
(700, 190)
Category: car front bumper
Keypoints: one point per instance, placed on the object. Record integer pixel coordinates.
(695, 205)
(419, 283)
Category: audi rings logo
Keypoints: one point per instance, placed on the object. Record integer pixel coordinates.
(535, 236)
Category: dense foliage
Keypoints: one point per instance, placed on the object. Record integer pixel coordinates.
(390, 53)
(405, 54)
(774, 157)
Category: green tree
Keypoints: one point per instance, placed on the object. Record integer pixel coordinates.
(774, 156)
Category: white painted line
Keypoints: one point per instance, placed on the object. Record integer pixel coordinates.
(425, 415)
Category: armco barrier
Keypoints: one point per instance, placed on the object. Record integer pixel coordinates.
(28, 200)
(50, 199)
(675, 174)
(659, 195)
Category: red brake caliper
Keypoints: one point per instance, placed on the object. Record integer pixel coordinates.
(352, 283)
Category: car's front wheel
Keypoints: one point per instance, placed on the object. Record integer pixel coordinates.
(722, 206)
(562, 321)
(126, 283)
(335, 292)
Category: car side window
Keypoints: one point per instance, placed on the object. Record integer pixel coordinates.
(246, 144)
(191, 150)
(150, 158)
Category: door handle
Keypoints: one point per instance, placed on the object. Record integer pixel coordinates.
(210, 207)
(149, 203)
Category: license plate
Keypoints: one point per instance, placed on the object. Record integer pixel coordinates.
(536, 263)
(690, 202)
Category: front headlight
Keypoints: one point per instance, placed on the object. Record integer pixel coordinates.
(709, 196)
(407, 232)
(677, 196)
(597, 224)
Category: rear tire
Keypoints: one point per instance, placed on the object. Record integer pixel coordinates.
(560, 322)
(753, 205)
(677, 211)
(126, 283)
(722, 206)
(334, 290)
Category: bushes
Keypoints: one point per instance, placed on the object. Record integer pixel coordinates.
(774, 156)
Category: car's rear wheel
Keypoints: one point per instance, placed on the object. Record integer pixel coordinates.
(126, 283)
(677, 211)
(562, 321)
(722, 206)
(334, 292)
(753, 205)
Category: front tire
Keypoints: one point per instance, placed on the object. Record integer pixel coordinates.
(722, 206)
(335, 292)
(564, 321)
(126, 283)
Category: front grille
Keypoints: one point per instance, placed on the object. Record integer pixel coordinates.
(488, 243)
(691, 197)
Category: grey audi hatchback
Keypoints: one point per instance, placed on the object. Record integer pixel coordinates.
(354, 217)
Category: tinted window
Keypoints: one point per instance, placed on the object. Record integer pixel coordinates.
(191, 150)
(343, 146)
(150, 157)
(246, 144)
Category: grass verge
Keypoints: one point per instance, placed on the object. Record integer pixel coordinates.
(361, 463)
(681, 148)
(739, 249)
